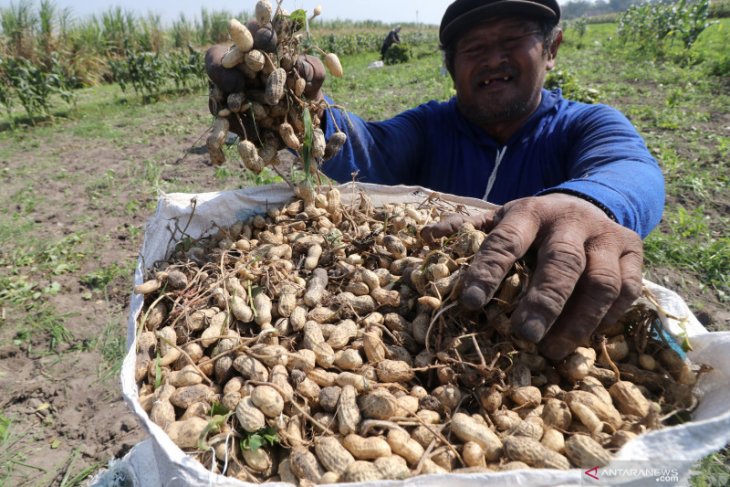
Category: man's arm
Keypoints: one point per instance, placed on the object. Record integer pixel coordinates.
(384, 152)
(610, 166)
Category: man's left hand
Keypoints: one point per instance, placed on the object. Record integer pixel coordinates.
(588, 267)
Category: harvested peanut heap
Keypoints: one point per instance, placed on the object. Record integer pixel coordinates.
(322, 343)
(273, 112)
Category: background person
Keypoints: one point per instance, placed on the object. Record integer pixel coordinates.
(390, 39)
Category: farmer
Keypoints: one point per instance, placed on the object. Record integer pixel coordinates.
(390, 39)
(576, 181)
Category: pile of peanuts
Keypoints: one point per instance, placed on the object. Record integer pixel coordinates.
(273, 112)
(322, 342)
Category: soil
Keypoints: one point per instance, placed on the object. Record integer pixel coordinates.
(68, 415)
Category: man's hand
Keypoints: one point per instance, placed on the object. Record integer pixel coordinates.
(311, 69)
(588, 267)
(231, 80)
(228, 80)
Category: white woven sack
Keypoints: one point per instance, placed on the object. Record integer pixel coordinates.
(662, 457)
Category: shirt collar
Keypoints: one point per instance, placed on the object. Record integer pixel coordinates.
(549, 101)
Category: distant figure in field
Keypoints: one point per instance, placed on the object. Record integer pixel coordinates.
(390, 39)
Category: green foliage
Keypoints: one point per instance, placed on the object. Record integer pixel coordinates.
(254, 441)
(571, 88)
(650, 26)
(721, 67)
(99, 279)
(720, 9)
(42, 324)
(4, 429)
(33, 85)
(112, 346)
(348, 44)
(143, 70)
(709, 256)
(213, 26)
(397, 54)
(11, 457)
(158, 372)
(186, 69)
(182, 32)
(6, 95)
(149, 73)
(218, 409)
(713, 470)
(579, 26)
(298, 19)
(575, 31)
(18, 23)
(307, 145)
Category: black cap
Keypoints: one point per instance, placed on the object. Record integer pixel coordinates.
(462, 15)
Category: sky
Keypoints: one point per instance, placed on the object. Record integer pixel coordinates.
(388, 11)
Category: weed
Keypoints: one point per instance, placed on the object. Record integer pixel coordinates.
(112, 345)
(152, 172)
(713, 470)
(43, 324)
(4, 429)
(222, 172)
(14, 468)
(99, 279)
(63, 255)
(26, 200)
(16, 290)
(99, 188)
(131, 207)
(708, 256)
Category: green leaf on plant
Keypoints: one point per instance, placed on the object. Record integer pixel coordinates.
(255, 442)
(218, 409)
(271, 437)
(213, 426)
(158, 372)
(299, 19)
(4, 428)
(307, 149)
(52, 289)
(260, 438)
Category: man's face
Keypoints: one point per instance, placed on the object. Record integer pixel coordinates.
(499, 70)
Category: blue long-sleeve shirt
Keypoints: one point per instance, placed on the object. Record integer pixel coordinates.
(591, 151)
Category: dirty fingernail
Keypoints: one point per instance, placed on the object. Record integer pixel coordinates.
(557, 348)
(473, 298)
(532, 329)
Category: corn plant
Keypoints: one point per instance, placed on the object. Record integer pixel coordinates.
(182, 32)
(143, 70)
(651, 25)
(186, 69)
(213, 26)
(149, 73)
(33, 86)
(6, 98)
(18, 23)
